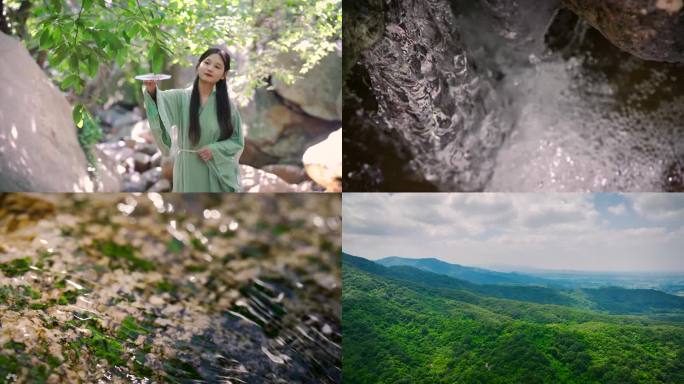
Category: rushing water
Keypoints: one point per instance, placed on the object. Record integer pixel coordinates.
(508, 96)
(170, 288)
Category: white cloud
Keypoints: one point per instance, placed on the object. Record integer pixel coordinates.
(558, 231)
(617, 210)
(659, 206)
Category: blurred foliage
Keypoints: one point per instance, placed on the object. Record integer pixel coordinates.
(74, 39)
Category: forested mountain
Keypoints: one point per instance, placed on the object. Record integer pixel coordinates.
(471, 274)
(404, 325)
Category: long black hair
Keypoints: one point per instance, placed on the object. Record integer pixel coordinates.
(222, 101)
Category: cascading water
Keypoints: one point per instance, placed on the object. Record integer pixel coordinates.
(504, 96)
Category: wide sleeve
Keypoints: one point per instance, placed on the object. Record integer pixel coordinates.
(163, 114)
(233, 146)
(226, 153)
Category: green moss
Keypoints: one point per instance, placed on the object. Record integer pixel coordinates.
(100, 345)
(280, 229)
(15, 346)
(175, 246)
(17, 298)
(130, 329)
(68, 297)
(8, 365)
(166, 286)
(16, 267)
(254, 250)
(61, 284)
(196, 268)
(125, 253)
(197, 244)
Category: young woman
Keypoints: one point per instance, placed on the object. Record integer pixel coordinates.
(210, 138)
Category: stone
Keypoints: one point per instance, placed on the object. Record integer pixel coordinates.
(279, 131)
(256, 180)
(316, 92)
(163, 185)
(149, 149)
(323, 162)
(648, 29)
(39, 149)
(292, 174)
(122, 154)
(141, 132)
(156, 160)
(141, 161)
(134, 183)
(152, 175)
(108, 176)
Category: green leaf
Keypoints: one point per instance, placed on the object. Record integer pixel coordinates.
(77, 115)
(69, 81)
(87, 4)
(73, 63)
(121, 57)
(157, 58)
(58, 56)
(45, 39)
(93, 65)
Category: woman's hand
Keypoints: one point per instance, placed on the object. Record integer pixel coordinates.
(205, 154)
(151, 86)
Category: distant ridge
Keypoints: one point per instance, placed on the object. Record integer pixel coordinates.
(610, 299)
(471, 274)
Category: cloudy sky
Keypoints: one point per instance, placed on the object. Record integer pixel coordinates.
(589, 232)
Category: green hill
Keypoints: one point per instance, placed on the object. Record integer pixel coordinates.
(470, 274)
(404, 325)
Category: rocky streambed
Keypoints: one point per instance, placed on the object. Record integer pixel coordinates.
(513, 96)
(169, 288)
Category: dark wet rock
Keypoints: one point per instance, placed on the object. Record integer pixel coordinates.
(364, 24)
(152, 175)
(146, 148)
(292, 174)
(134, 182)
(162, 185)
(649, 29)
(118, 120)
(673, 179)
(156, 159)
(439, 101)
(141, 161)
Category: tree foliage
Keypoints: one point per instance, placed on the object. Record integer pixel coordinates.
(77, 38)
(402, 329)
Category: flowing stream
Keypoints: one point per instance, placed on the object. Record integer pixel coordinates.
(506, 96)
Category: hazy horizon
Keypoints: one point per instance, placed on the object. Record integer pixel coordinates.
(595, 233)
(525, 269)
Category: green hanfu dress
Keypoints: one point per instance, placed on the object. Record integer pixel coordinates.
(190, 172)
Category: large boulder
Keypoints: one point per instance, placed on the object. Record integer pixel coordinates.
(279, 131)
(323, 162)
(256, 180)
(39, 149)
(649, 29)
(317, 91)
